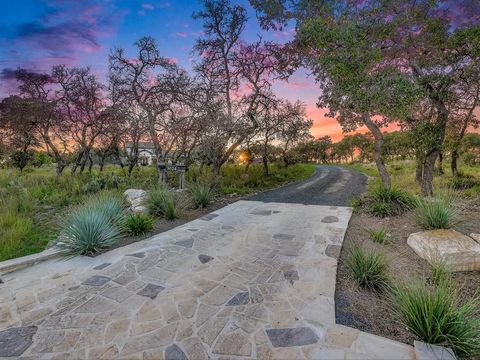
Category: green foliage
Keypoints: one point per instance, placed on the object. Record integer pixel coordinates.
(384, 202)
(201, 193)
(138, 224)
(463, 182)
(437, 212)
(94, 185)
(437, 316)
(160, 202)
(356, 204)
(440, 274)
(93, 227)
(368, 269)
(239, 180)
(379, 236)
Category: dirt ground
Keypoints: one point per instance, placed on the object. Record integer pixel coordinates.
(373, 313)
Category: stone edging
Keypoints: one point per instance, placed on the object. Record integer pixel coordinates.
(11, 265)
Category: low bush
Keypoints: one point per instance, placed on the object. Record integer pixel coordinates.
(93, 227)
(463, 182)
(437, 212)
(138, 224)
(160, 202)
(379, 236)
(437, 316)
(384, 201)
(201, 194)
(368, 269)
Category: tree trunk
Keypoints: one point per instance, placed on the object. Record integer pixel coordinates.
(426, 184)
(90, 163)
(265, 165)
(454, 163)
(131, 165)
(378, 136)
(59, 168)
(440, 163)
(419, 170)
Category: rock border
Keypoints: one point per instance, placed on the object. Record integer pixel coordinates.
(11, 265)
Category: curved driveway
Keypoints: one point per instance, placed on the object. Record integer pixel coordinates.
(329, 185)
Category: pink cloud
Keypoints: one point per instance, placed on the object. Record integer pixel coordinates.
(172, 60)
(181, 34)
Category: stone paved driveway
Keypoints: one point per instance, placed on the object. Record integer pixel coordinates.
(252, 280)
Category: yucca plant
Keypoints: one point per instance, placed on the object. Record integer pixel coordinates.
(138, 224)
(93, 227)
(368, 269)
(201, 193)
(160, 202)
(437, 316)
(437, 212)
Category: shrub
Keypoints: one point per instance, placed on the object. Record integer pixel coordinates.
(436, 316)
(436, 212)
(138, 224)
(95, 184)
(389, 201)
(379, 236)
(93, 227)
(463, 182)
(368, 269)
(200, 193)
(160, 202)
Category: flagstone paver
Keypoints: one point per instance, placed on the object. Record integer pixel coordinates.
(265, 290)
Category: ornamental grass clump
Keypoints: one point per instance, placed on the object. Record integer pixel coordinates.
(138, 224)
(93, 227)
(379, 236)
(436, 315)
(368, 269)
(383, 201)
(160, 202)
(200, 193)
(437, 212)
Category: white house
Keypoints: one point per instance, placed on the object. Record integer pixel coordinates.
(146, 152)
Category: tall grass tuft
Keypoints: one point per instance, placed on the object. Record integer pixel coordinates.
(200, 193)
(379, 236)
(160, 202)
(93, 227)
(138, 224)
(440, 274)
(389, 201)
(437, 212)
(368, 269)
(437, 316)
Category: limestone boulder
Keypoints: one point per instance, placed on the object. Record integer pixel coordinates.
(136, 199)
(475, 237)
(459, 252)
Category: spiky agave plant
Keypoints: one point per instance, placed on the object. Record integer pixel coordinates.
(93, 227)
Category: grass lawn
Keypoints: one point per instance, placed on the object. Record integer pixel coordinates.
(32, 203)
(402, 174)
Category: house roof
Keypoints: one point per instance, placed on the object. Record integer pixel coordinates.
(141, 145)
